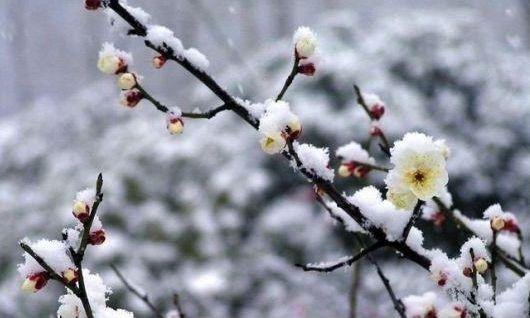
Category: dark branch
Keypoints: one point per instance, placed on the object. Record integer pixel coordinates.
(415, 215)
(339, 264)
(290, 78)
(142, 296)
(398, 304)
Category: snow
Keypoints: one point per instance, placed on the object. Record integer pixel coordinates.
(479, 251)
(381, 213)
(277, 117)
(315, 160)
(255, 109)
(353, 151)
(108, 49)
(349, 223)
(513, 302)
(88, 196)
(122, 27)
(372, 100)
(415, 240)
(196, 58)
(420, 306)
(54, 253)
(327, 264)
(160, 36)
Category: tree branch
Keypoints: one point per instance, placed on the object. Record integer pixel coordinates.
(348, 262)
(290, 78)
(142, 296)
(415, 215)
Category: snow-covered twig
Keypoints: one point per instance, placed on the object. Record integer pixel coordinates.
(415, 215)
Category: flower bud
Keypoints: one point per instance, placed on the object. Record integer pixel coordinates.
(70, 276)
(112, 64)
(127, 81)
(35, 282)
(307, 69)
(377, 111)
(96, 237)
(375, 131)
(497, 223)
(175, 126)
(468, 272)
(344, 170)
(131, 98)
(305, 42)
(511, 226)
(159, 61)
(481, 265)
(81, 211)
(273, 143)
(361, 171)
(294, 128)
(319, 191)
(440, 279)
(92, 4)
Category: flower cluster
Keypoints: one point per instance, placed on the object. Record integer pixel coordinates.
(114, 61)
(419, 170)
(355, 161)
(278, 125)
(305, 43)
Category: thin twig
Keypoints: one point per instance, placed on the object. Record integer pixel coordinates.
(290, 78)
(493, 260)
(415, 215)
(348, 262)
(178, 305)
(142, 296)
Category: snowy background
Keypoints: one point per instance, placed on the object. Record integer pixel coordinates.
(208, 214)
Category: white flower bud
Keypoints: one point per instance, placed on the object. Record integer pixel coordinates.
(159, 61)
(35, 282)
(344, 171)
(273, 143)
(81, 210)
(175, 126)
(111, 64)
(127, 81)
(70, 275)
(497, 223)
(305, 42)
(295, 128)
(481, 265)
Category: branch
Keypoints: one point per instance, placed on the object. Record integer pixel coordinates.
(342, 263)
(385, 146)
(53, 275)
(142, 296)
(398, 304)
(415, 215)
(233, 105)
(290, 78)
(178, 306)
(493, 259)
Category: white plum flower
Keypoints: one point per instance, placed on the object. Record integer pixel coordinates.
(112, 60)
(419, 170)
(305, 42)
(277, 125)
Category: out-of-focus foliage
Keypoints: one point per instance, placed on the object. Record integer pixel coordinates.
(209, 215)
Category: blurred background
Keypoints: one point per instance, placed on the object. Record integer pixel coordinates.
(207, 214)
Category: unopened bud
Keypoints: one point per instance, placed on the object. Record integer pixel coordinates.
(375, 131)
(377, 111)
(468, 272)
(81, 211)
(159, 61)
(131, 98)
(70, 276)
(175, 126)
(92, 4)
(344, 170)
(127, 81)
(294, 128)
(35, 282)
(481, 265)
(307, 69)
(112, 64)
(96, 237)
(305, 42)
(497, 223)
(361, 171)
(273, 143)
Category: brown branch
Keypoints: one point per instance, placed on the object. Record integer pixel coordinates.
(142, 296)
(232, 104)
(326, 269)
(178, 305)
(493, 260)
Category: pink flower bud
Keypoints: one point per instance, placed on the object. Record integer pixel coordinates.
(35, 282)
(92, 4)
(159, 61)
(511, 226)
(361, 171)
(375, 131)
(377, 111)
(131, 98)
(96, 237)
(307, 69)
